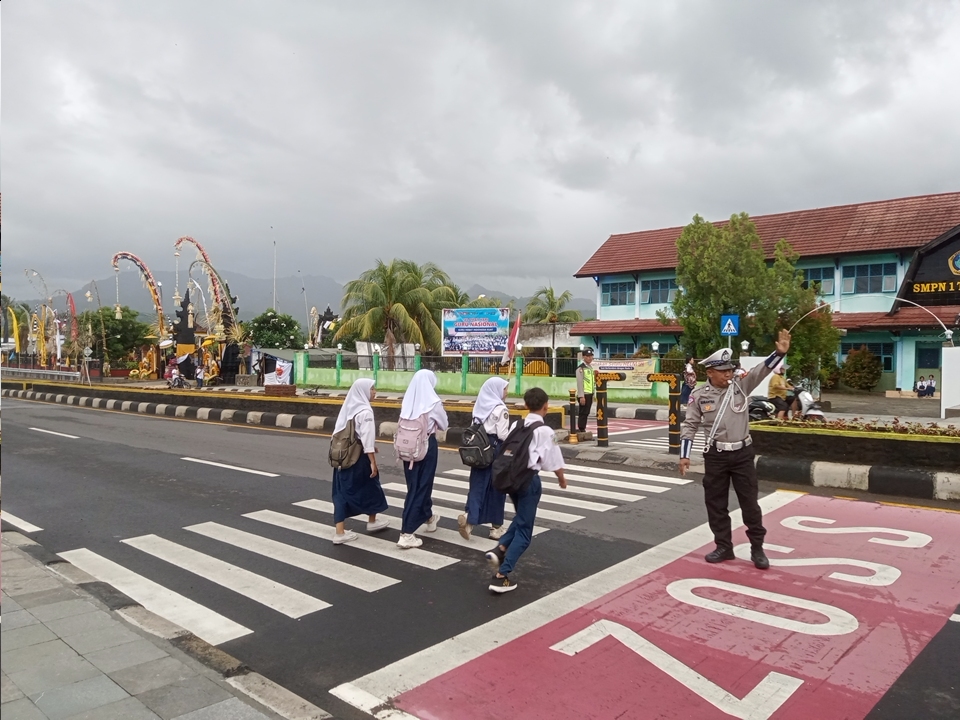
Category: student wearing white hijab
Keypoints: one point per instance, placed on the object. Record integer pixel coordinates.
(356, 490)
(484, 502)
(421, 399)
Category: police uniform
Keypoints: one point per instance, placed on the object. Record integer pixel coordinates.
(729, 456)
(586, 387)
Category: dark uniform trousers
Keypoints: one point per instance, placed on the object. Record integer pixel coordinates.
(721, 470)
(584, 412)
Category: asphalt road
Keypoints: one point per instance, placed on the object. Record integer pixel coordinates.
(313, 616)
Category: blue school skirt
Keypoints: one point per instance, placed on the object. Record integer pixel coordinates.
(356, 493)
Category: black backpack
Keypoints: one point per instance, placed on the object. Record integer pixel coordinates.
(511, 473)
(477, 450)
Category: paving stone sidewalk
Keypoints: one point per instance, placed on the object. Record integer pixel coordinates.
(65, 655)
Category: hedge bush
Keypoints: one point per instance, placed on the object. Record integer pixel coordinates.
(862, 369)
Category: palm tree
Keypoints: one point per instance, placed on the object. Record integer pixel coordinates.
(399, 300)
(463, 300)
(547, 307)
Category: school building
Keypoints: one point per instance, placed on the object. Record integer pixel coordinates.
(869, 260)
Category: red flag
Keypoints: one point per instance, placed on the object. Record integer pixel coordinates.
(511, 342)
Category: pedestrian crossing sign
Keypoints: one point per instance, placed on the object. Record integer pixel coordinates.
(729, 325)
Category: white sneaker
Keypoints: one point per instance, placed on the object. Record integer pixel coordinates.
(432, 523)
(378, 525)
(496, 533)
(347, 536)
(408, 541)
(465, 527)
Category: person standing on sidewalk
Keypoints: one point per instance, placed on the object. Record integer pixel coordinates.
(689, 381)
(544, 454)
(199, 375)
(585, 388)
(720, 407)
(484, 502)
(421, 401)
(356, 489)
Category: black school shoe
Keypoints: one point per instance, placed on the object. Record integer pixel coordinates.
(719, 555)
(495, 556)
(500, 585)
(759, 558)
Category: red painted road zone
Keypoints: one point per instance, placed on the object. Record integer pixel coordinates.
(624, 425)
(855, 591)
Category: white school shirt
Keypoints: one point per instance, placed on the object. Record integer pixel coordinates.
(366, 430)
(498, 422)
(544, 452)
(437, 419)
(931, 383)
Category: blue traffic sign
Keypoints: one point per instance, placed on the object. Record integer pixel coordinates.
(729, 325)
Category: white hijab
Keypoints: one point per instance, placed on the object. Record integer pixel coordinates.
(420, 396)
(490, 398)
(357, 400)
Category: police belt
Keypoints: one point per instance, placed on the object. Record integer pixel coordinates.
(730, 447)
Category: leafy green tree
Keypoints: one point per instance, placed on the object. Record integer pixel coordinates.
(124, 336)
(861, 370)
(722, 270)
(399, 301)
(271, 329)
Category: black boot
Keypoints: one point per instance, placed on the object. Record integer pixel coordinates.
(760, 561)
(720, 554)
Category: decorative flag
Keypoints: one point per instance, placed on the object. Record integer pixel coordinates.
(511, 342)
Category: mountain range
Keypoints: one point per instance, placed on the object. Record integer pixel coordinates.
(254, 295)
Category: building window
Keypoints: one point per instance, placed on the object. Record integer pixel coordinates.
(611, 350)
(821, 278)
(884, 351)
(618, 293)
(658, 291)
(876, 278)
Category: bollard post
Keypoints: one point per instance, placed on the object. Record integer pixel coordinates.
(339, 363)
(603, 439)
(574, 411)
(464, 367)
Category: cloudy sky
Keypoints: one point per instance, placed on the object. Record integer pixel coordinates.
(504, 141)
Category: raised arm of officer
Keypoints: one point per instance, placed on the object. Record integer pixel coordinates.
(688, 431)
(758, 373)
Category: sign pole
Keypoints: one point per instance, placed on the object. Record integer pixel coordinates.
(573, 417)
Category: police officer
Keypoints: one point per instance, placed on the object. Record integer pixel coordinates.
(585, 388)
(720, 407)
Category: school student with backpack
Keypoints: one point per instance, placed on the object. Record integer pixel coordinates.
(530, 447)
(415, 442)
(356, 477)
(491, 424)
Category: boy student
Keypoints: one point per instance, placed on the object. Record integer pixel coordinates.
(543, 454)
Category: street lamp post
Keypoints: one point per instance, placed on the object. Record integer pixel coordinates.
(745, 347)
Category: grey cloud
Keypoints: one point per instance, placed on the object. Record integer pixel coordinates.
(504, 141)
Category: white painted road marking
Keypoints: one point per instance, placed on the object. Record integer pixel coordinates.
(201, 621)
(345, 573)
(372, 692)
(589, 492)
(17, 522)
(265, 591)
(544, 498)
(462, 499)
(414, 556)
(231, 467)
(955, 617)
(60, 434)
(628, 474)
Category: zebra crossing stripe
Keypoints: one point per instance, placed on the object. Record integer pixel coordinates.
(201, 621)
(589, 492)
(544, 498)
(462, 499)
(626, 474)
(442, 534)
(452, 514)
(414, 556)
(342, 572)
(275, 596)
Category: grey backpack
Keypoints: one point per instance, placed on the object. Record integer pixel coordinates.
(345, 447)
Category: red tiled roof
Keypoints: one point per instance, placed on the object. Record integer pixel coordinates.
(905, 317)
(622, 327)
(901, 224)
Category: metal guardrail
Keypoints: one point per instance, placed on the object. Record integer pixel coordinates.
(24, 374)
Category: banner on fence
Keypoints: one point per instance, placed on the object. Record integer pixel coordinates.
(636, 370)
(478, 331)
